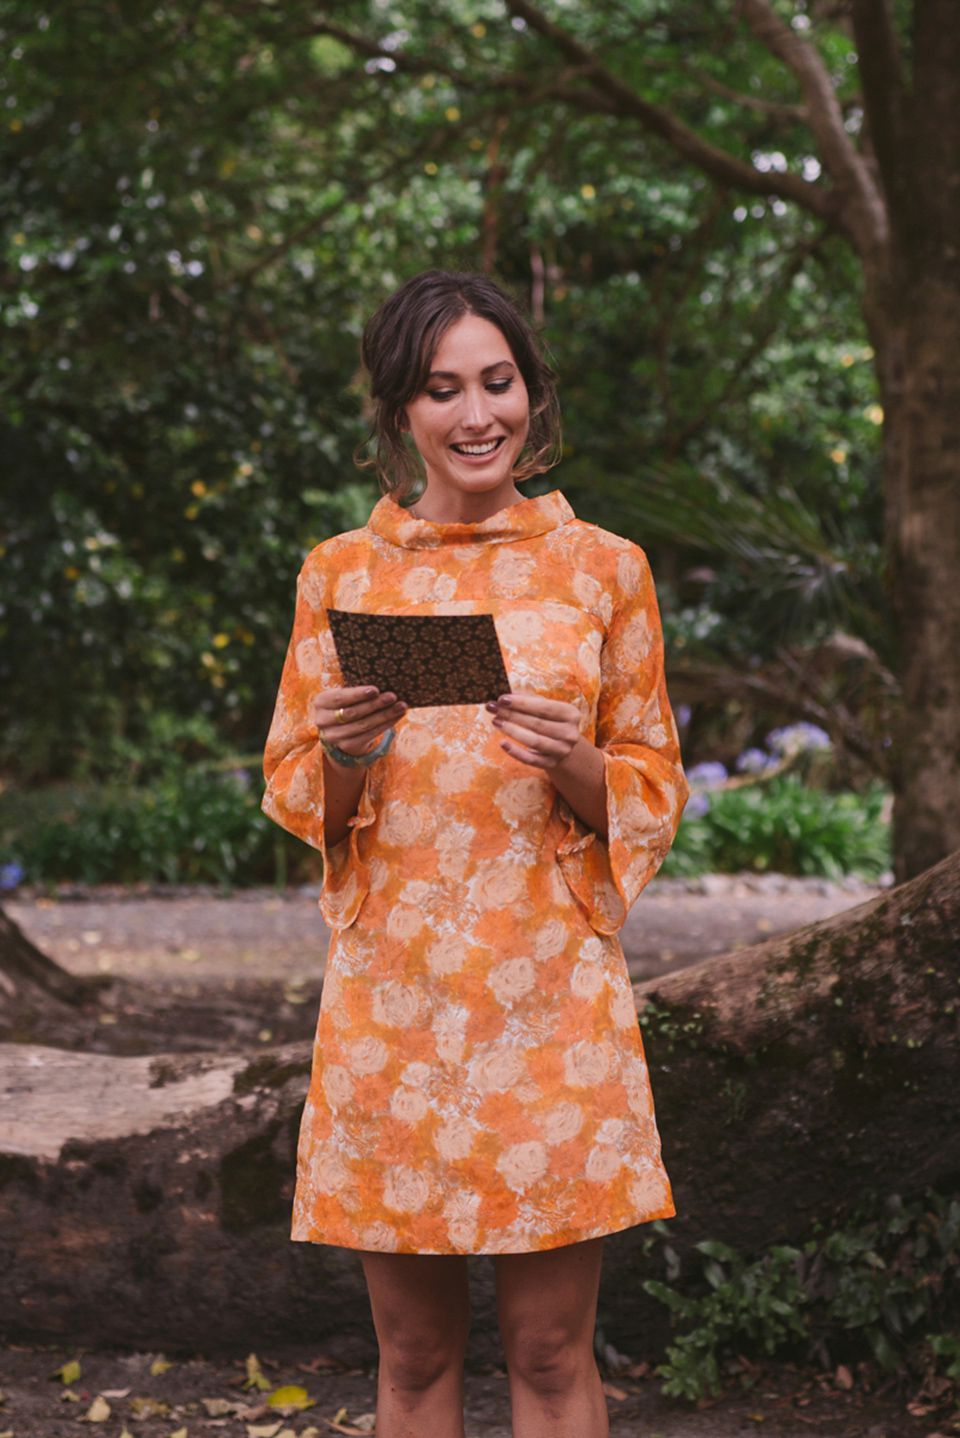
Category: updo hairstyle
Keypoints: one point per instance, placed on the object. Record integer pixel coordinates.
(397, 350)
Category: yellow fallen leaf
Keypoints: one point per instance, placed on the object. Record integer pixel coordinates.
(291, 1397)
(7, 1433)
(255, 1378)
(366, 1422)
(114, 1392)
(158, 1366)
(68, 1396)
(150, 1408)
(180, 1433)
(69, 1373)
(311, 1432)
(340, 1415)
(98, 1412)
(126, 1432)
(612, 1391)
(262, 1430)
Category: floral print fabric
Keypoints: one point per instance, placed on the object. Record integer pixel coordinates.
(479, 1084)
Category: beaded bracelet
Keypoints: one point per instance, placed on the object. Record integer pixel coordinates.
(357, 761)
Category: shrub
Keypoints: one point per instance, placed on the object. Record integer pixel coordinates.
(196, 826)
(783, 826)
(876, 1286)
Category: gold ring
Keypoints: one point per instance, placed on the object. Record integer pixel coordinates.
(339, 715)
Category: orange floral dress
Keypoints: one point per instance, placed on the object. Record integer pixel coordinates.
(479, 1084)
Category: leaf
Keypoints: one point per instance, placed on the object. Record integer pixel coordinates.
(158, 1366)
(126, 1432)
(8, 1433)
(218, 1407)
(69, 1373)
(311, 1432)
(263, 1430)
(114, 1392)
(366, 1422)
(843, 1377)
(150, 1408)
(98, 1412)
(180, 1433)
(68, 1396)
(612, 1391)
(255, 1378)
(291, 1398)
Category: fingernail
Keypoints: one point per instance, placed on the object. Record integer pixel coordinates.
(490, 707)
(369, 693)
(505, 699)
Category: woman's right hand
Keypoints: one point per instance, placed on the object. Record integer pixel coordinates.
(354, 719)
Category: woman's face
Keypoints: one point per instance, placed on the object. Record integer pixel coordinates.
(470, 422)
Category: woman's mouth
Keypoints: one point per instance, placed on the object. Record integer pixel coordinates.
(480, 449)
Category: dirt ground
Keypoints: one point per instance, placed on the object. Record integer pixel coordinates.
(201, 936)
(200, 948)
(188, 1398)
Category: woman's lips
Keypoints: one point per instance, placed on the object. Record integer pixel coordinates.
(479, 450)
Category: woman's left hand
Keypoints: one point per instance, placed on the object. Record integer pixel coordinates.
(537, 731)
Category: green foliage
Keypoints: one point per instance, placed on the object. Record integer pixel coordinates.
(199, 208)
(785, 827)
(875, 1286)
(760, 1302)
(192, 826)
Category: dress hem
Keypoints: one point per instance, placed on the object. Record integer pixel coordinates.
(668, 1211)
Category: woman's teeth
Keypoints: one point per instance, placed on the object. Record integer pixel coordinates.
(487, 448)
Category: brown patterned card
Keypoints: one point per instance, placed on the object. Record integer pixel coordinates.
(424, 659)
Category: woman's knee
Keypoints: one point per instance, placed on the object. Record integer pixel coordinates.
(548, 1360)
(415, 1358)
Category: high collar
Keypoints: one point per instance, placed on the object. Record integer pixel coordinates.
(519, 521)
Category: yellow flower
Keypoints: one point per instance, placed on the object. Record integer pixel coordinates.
(588, 192)
(874, 413)
(220, 641)
(838, 455)
(198, 488)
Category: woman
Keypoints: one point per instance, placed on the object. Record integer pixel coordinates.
(478, 1081)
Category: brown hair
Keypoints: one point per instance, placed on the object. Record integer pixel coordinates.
(397, 350)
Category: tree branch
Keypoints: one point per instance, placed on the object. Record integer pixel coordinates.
(610, 94)
(775, 110)
(881, 77)
(862, 212)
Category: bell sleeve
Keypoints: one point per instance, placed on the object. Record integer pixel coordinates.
(293, 759)
(637, 736)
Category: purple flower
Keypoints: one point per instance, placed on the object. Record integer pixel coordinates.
(802, 738)
(709, 775)
(754, 761)
(682, 715)
(697, 805)
(10, 876)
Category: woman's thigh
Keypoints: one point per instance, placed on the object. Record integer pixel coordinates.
(420, 1303)
(547, 1302)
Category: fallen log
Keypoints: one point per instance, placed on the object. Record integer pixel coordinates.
(145, 1201)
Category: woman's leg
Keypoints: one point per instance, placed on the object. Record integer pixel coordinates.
(421, 1311)
(547, 1305)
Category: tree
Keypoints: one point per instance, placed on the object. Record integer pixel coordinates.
(874, 138)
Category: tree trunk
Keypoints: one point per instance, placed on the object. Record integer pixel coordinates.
(35, 991)
(913, 314)
(146, 1200)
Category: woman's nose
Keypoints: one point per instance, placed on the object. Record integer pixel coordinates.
(476, 409)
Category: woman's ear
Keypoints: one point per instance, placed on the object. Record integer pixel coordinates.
(403, 424)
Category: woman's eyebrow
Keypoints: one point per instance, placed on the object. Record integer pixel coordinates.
(452, 374)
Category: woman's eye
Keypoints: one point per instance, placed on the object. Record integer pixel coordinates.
(499, 386)
(441, 394)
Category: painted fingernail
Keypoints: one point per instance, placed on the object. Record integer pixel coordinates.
(490, 707)
(504, 699)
